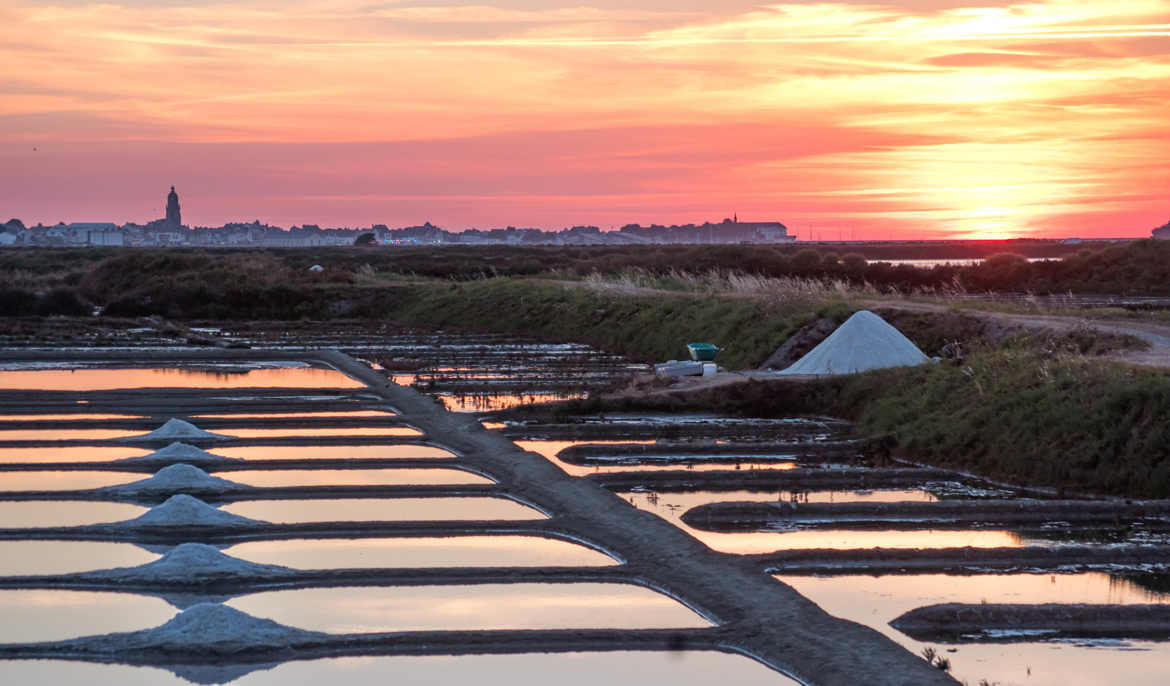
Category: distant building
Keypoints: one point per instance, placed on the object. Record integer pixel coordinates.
(174, 218)
(1162, 232)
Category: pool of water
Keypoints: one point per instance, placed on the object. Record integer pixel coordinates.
(346, 414)
(549, 449)
(678, 668)
(488, 606)
(19, 558)
(875, 601)
(41, 513)
(63, 481)
(321, 432)
(64, 417)
(64, 434)
(768, 541)
(104, 379)
(383, 509)
(351, 477)
(69, 454)
(332, 452)
(451, 551)
(40, 615)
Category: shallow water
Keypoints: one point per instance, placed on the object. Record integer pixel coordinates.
(64, 434)
(40, 615)
(766, 541)
(322, 432)
(64, 417)
(383, 509)
(352, 477)
(81, 453)
(332, 452)
(104, 379)
(488, 606)
(549, 449)
(875, 601)
(678, 668)
(452, 551)
(345, 414)
(64, 481)
(41, 513)
(19, 558)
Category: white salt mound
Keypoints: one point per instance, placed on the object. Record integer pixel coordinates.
(214, 628)
(194, 563)
(181, 452)
(177, 478)
(175, 429)
(865, 341)
(185, 510)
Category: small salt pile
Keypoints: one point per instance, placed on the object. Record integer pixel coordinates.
(175, 429)
(176, 478)
(194, 563)
(184, 510)
(179, 452)
(211, 628)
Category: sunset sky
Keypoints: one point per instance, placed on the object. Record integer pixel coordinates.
(920, 119)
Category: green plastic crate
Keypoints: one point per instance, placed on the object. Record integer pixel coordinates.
(703, 352)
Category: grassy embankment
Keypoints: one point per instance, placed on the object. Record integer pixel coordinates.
(1041, 410)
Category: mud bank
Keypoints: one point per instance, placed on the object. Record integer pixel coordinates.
(1010, 623)
(746, 516)
(1033, 559)
(789, 480)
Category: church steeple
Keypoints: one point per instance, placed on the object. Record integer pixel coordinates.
(174, 218)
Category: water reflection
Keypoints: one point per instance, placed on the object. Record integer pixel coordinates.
(383, 509)
(65, 417)
(347, 414)
(63, 481)
(324, 431)
(39, 615)
(679, 668)
(489, 606)
(40, 513)
(549, 449)
(19, 558)
(333, 452)
(354, 477)
(106, 379)
(64, 434)
(452, 551)
(875, 601)
(69, 454)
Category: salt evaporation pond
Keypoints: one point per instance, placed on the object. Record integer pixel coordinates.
(64, 434)
(345, 414)
(383, 509)
(875, 601)
(63, 481)
(448, 551)
(40, 615)
(549, 450)
(356, 477)
(488, 606)
(20, 558)
(108, 379)
(333, 452)
(69, 454)
(678, 668)
(43, 513)
(323, 432)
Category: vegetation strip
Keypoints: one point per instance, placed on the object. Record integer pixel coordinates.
(1029, 559)
(1011, 623)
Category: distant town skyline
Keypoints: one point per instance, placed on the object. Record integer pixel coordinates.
(927, 119)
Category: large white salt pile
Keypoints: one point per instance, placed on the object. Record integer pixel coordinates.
(194, 563)
(179, 452)
(865, 341)
(185, 510)
(175, 429)
(177, 478)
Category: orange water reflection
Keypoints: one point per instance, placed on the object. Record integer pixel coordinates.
(23, 514)
(451, 551)
(63, 481)
(69, 454)
(56, 557)
(355, 477)
(333, 452)
(64, 434)
(64, 417)
(489, 606)
(109, 379)
(351, 431)
(34, 615)
(383, 509)
(768, 541)
(355, 414)
(549, 449)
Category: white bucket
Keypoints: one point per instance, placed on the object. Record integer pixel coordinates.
(710, 368)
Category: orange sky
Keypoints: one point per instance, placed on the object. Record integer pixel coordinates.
(918, 119)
